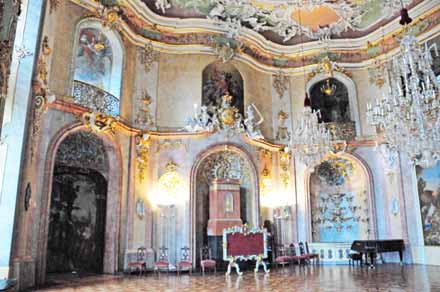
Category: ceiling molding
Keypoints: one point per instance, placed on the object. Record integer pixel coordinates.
(253, 40)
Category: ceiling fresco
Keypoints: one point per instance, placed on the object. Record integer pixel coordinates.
(288, 22)
(142, 23)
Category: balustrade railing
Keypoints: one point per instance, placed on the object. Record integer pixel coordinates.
(94, 98)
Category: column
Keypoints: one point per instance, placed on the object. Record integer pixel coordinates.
(14, 124)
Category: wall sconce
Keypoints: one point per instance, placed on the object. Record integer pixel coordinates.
(266, 188)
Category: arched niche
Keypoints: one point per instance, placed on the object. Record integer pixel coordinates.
(221, 79)
(349, 86)
(340, 204)
(98, 57)
(113, 200)
(223, 159)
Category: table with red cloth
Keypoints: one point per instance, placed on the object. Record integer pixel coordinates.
(241, 243)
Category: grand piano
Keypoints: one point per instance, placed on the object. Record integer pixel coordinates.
(372, 247)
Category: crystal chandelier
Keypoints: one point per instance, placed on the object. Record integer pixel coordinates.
(409, 114)
(310, 138)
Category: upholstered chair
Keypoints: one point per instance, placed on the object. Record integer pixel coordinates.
(140, 262)
(185, 261)
(162, 263)
(282, 259)
(302, 252)
(294, 257)
(206, 261)
(313, 256)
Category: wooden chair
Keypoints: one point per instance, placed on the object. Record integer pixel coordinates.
(140, 262)
(313, 256)
(302, 253)
(294, 257)
(162, 263)
(282, 259)
(206, 261)
(185, 262)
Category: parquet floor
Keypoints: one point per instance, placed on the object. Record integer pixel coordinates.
(323, 278)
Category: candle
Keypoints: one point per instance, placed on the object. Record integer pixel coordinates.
(195, 110)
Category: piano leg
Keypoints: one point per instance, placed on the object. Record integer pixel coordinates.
(371, 260)
(401, 257)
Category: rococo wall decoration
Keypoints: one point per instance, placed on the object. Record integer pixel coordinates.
(339, 201)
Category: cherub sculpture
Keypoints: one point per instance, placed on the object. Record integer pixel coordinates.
(252, 127)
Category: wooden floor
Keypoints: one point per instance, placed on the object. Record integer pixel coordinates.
(323, 278)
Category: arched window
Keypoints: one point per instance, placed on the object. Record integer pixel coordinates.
(221, 79)
(97, 67)
(330, 96)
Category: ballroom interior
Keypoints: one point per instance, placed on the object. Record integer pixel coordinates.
(155, 145)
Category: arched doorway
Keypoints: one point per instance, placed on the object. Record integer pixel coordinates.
(221, 162)
(113, 201)
(76, 237)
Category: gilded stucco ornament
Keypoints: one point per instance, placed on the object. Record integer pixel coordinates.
(327, 66)
(144, 119)
(226, 165)
(147, 56)
(42, 92)
(53, 5)
(280, 83)
(40, 108)
(108, 12)
(283, 133)
(143, 152)
(224, 51)
(171, 145)
(285, 160)
(99, 122)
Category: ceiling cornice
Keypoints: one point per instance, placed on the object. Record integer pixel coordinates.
(262, 54)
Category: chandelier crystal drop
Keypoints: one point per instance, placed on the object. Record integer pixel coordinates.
(310, 138)
(408, 115)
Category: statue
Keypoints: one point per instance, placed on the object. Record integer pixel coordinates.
(252, 127)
